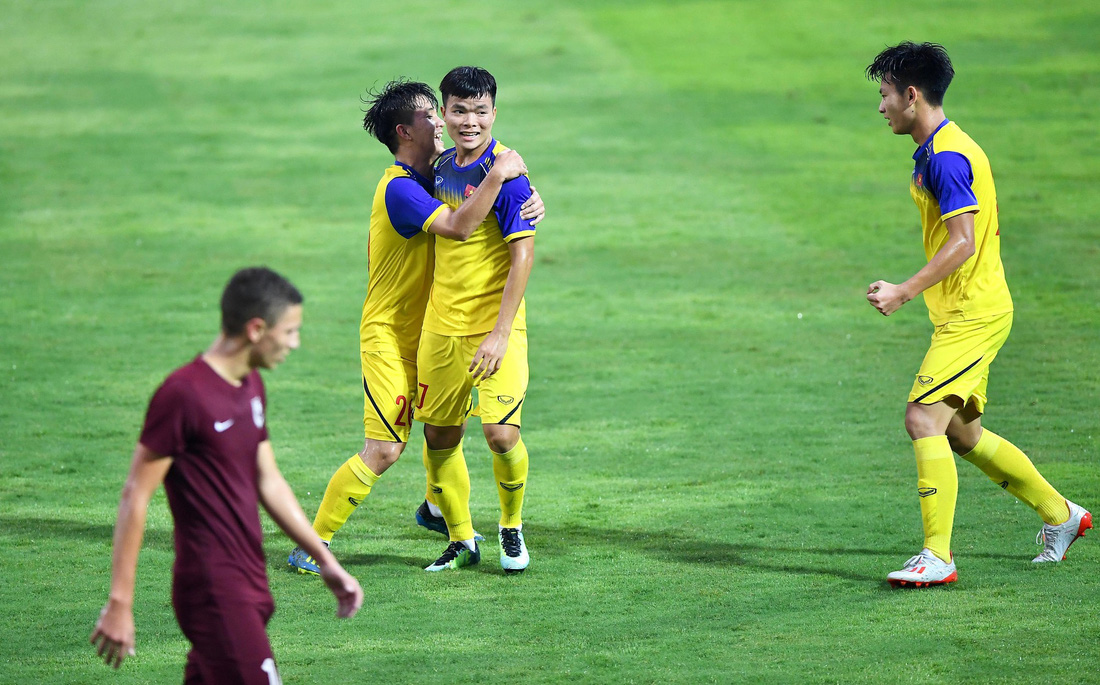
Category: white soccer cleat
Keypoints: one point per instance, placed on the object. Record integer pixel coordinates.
(924, 570)
(1057, 539)
(513, 551)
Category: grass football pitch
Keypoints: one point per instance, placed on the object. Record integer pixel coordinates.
(720, 475)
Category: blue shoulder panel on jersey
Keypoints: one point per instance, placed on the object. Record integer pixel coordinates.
(950, 179)
(512, 196)
(409, 205)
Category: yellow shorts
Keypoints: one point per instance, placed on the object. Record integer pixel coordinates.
(444, 366)
(958, 361)
(389, 395)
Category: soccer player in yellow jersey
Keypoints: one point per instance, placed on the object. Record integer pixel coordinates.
(971, 310)
(475, 330)
(400, 255)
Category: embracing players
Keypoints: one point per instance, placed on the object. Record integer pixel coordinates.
(968, 301)
(405, 219)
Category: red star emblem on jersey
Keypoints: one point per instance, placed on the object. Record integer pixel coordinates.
(469, 190)
(920, 180)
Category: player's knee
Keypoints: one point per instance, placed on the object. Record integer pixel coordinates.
(963, 440)
(442, 437)
(917, 423)
(501, 438)
(379, 456)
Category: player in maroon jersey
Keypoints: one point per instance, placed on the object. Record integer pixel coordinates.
(205, 438)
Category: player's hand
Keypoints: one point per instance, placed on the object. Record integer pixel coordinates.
(114, 633)
(489, 355)
(887, 298)
(533, 210)
(510, 165)
(349, 596)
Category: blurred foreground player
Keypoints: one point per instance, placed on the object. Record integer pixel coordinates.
(968, 301)
(206, 439)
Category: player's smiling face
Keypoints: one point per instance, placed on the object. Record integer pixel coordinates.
(896, 107)
(470, 123)
(427, 130)
(278, 340)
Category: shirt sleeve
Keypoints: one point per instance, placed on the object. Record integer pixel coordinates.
(165, 429)
(512, 196)
(949, 177)
(411, 209)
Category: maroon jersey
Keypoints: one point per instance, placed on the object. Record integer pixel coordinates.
(212, 430)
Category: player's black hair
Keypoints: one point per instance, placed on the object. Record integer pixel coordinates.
(394, 104)
(925, 66)
(468, 82)
(256, 292)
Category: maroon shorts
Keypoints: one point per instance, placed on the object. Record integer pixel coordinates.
(228, 641)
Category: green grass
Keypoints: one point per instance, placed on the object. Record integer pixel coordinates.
(718, 485)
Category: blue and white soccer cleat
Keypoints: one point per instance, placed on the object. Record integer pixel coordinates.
(298, 559)
(426, 519)
(1057, 539)
(457, 555)
(924, 570)
(513, 551)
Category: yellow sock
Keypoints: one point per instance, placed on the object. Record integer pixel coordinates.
(449, 482)
(510, 473)
(429, 496)
(938, 487)
(346, 489)
(1010, 468)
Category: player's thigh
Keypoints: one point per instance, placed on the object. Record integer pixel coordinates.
(443, 368)
(389, 395)
(229, 642)
(958, 360)
(500, 397)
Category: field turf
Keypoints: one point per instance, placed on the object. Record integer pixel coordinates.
(720, 476)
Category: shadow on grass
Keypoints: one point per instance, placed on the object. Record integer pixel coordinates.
(560, 541)
(38, 528)
(677, 547)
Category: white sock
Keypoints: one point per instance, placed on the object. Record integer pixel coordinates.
(436, 511)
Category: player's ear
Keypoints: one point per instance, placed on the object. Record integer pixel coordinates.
(403, 132)
(911, 94)
(255, 329)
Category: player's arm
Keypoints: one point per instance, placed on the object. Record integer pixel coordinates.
(279, 501)
(114, 631)
(459, 224)
(888, 298)
(490, 353)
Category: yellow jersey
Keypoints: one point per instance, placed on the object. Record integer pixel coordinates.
(951, 177)
(399, 261)
(470, 276)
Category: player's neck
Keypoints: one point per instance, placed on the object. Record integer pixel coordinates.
(420, 164)
(229, 357)
(926, 125)
(463, 158)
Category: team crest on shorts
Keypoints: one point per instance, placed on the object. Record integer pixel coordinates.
(505, 399)
(257, 412)
(925, 380)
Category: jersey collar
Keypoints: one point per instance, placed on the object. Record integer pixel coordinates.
(920, 150)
